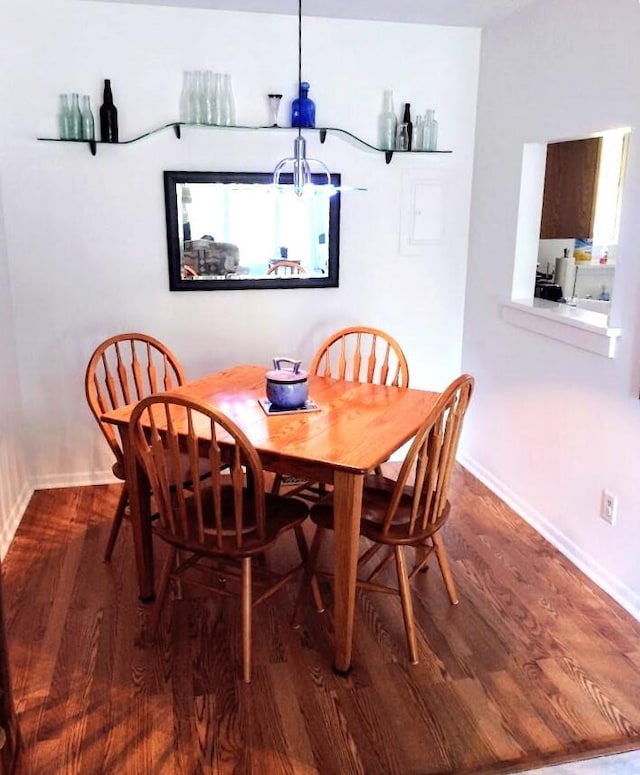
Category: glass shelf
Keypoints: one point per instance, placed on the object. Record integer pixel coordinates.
(177, 129)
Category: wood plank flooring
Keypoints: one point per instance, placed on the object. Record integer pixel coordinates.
(535, 665)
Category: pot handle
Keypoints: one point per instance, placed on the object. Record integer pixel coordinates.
(294, 364)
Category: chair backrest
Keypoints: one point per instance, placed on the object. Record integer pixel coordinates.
(171, 436)
(286, 268)
(124, 369)
(362, 354)
(420, 509)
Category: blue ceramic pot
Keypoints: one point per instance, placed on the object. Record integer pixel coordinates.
(287, 388)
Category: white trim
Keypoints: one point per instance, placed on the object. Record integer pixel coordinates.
(13, 520)
(621, 593)
(580, 328)
(80, 479)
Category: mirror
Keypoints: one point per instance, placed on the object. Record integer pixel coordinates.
(236, 230)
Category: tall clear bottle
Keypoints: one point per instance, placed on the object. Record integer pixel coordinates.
(387, 123)
(88, 125)
(229, 105)
(196, 97)
(75, 118)
(108, 116)
(185, 96)
(64, 117)
(430, 131)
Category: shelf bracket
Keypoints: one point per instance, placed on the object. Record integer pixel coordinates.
(388, 155)
(323, 135)
(176, 129)
(92, 147)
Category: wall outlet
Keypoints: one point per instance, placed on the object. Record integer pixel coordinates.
(609, 507)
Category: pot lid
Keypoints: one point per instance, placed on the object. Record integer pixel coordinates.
(293, 373)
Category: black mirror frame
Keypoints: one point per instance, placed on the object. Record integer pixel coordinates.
(178, 283)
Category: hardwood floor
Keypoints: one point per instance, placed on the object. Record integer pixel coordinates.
(535, 664)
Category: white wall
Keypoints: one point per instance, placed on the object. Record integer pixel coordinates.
(14, 482)
(553, 425)
(86, 236)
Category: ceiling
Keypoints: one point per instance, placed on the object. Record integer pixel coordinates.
(459, 13)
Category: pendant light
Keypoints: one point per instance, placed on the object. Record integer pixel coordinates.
(301, 165)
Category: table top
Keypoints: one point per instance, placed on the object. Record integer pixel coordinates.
(357, 428)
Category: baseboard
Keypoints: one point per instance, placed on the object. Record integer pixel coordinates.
(622, 594)
(10, 525)
(79, 479)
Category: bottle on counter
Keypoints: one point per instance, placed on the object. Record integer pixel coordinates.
(387, 123)
(108, 116)
(406, 119)
(303, 109)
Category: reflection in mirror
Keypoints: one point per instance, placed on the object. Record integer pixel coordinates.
(580, 220)
(236, 230)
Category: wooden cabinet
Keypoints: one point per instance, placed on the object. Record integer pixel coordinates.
(570, 184)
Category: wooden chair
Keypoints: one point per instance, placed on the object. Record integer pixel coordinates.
(358, 354)
(122, 370)
(215, 528)
(401, 513)
(362, 354)
(286, 268)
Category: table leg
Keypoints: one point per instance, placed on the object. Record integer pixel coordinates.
(140, 515)
(347, 505)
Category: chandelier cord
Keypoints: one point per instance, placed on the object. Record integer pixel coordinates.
(300, 64)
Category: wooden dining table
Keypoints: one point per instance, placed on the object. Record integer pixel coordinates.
(357, 427)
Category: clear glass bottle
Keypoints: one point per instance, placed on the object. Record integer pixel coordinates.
(196, 97)
(185, 96)
(387, 123)
(218, 99)
(88, 124)
(75, 118)
(208, 98)
(418, 134)
(228, 103)
(430, 131)
(402, 140)
(303, 109)
(108, 116)
(64, 117)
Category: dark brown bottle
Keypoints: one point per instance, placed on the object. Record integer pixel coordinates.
(406, 119)
(108, 116)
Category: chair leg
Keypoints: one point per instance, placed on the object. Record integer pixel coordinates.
(277, 482)
(407, 605)
(161, 591)
(117, 521)
(310, 579)
(445, 569)
(304, 554)
(246, 619)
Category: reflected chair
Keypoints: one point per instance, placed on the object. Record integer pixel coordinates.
(357, 354)
(286, 268)
(122, 370)
(214, 528)
(407, 512)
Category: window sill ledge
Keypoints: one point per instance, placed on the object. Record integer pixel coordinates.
(577, 327)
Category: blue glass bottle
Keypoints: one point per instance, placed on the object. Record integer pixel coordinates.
(303, 109)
